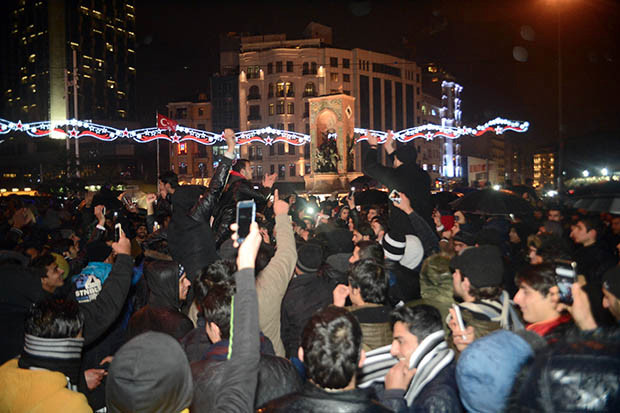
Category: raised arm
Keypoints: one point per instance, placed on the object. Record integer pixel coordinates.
(421, 229)
(240, 374)
(383, 174)
(101, 313)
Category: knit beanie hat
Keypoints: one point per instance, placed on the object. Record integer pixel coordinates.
(407, 154)
(482, 265)
(309, 257)
(464, 237)
(394, 246)
(149, 373)
(98, 251)
(611, 281)
(487, 369)
(414, 252)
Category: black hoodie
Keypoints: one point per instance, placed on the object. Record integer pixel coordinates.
(162, 311)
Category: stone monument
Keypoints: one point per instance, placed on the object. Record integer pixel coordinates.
(332, 144)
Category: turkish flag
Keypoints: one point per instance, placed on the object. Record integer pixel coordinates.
(166, 123)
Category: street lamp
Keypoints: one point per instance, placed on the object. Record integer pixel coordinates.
(604, 172)
(585, 173)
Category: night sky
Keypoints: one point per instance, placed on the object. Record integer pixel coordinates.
(473, 39)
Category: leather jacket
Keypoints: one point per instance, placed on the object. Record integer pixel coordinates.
(314, 399)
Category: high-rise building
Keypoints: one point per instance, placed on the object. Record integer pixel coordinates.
(44, 36)
(277, 77)
(544, 169)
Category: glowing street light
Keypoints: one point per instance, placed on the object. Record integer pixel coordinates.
(585, 173)
(604, 172)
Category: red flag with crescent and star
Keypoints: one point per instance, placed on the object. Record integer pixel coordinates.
(166, 123)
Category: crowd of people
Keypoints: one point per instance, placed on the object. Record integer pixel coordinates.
(324, 306)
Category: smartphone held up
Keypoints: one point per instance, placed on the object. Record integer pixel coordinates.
(246, 214)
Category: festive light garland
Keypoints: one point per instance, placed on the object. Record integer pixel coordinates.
(75, 129)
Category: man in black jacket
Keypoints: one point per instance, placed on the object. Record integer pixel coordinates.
(191, 241)
(405, 177)
(331, 352)
(239, 188)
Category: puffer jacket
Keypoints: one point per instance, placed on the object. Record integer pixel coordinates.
(580, 373)
(374, 320)
(162, 311)
(191, 241)
(314, 399)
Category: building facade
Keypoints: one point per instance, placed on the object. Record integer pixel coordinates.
(192, 161)
(544, 169)
(278, 76)
(43, 38)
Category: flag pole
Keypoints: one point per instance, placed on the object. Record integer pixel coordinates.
(157, 177)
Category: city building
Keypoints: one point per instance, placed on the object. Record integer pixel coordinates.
(45, 45)
(544, 169)
(192, 161)
(277, 77)
(43, 38)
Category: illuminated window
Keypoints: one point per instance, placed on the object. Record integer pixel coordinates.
(333, 77)
(271, 109)
(32, 58)
(309, 89)
(290, 108)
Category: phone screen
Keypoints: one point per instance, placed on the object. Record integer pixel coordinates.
(246, 213)
(117, 232)
(565, 274)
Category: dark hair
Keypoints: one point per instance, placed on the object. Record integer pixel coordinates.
(549, 246)
(216, 308)
(240, 164)
(371, 250)
(540, 277)
(54, 318)
(169, 177)
(331, 341)
(592, 222)
(218, 272)
(485, 293)
(41, 262)
(366, 230)
(421, 320)
(62, 245)
(263, 256)
(371, 279)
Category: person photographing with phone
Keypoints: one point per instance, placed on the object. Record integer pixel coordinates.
(541, 297)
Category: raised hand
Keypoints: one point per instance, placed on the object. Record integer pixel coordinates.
(280, 207)
(246, 255)
(389, 145)
(269, 179)
(404, 204)
(229, 137)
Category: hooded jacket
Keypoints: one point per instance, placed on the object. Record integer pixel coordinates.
(149, 374)
(191, 241)
(162, 311)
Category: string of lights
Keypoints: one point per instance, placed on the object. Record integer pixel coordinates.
(76, 129)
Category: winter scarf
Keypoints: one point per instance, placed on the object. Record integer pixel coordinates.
(55, 354)
(501, 311)
(431, 356)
